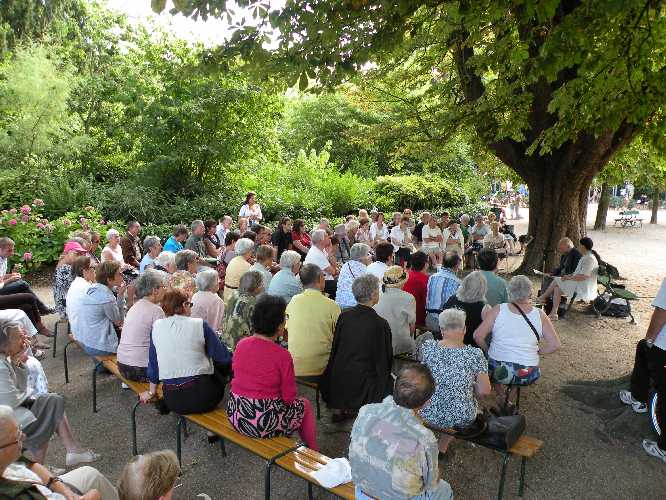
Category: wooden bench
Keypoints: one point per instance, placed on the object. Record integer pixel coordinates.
(629, 218)
(315, 387)
(284, 452)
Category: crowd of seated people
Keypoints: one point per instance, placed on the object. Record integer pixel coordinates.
(331, 306)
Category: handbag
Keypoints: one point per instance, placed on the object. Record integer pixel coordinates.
(501, 432)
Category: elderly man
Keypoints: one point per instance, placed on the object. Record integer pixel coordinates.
(286, 282)
(153, 475)
(131, 245)
(238, 266)
(441, 286)
(650, 367)
(324, 224)
(569, 258)
(392, 455)
(318, 255)
(22, 479)
(311, 322)
(223, 227)
(11, 283)
(497, 291)
(196, 243)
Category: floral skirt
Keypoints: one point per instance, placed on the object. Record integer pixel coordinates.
(507, 373)
(264, 418)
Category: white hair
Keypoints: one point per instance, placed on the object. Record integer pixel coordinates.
(149, 281)
(318, 236)
(359, 251)
(206, 279)
(452, 319)
(6, 326)
(520, 288)
(289, 259)
(111, 233)
(243, 246)
(473, 288)
(364, 286)
(165, 259)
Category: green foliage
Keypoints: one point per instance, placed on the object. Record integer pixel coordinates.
(417, 192)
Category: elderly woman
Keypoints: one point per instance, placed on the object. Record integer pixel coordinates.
(342, 252)
(285, 283)
(135, 340)
(175, 242)
(238, 310)
(187, 357)
(300, 238)
(37, 381)
(101, 312)
(470, 297)
(359, 368)
(453, 239)
(461, 373)
(582, 283)
(359, 258)
(520, 333)
(238, 266)
(264, 263)
(152, 246)
(243, 225)
(62, 278)
(165, 262)
(399, 309)
(206, 303)
(112, 250)
(401, 238)
(84, 275)
(187, 260)
(39, 416)
(263, 401)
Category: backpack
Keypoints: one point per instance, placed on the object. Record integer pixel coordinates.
(616, 307)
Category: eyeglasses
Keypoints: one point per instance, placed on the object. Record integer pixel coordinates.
(188, 304)
(19, 437)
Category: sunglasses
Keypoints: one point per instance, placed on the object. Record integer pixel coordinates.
(19, 437)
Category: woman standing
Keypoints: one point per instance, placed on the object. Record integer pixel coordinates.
(187, 357)
(251, 209)
(359, 368)
(263, 402)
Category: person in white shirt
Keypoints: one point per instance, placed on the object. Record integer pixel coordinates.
(318, 255)
(384, 259)
(432, 238)
(650, 368)
(378, 230)
(84, 276)
(453, 239)
(223, 228)
(401, 238)
(251, 209)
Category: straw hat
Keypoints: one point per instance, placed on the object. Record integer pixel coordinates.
(394, 277)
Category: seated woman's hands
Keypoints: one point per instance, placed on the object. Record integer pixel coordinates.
(146, 397)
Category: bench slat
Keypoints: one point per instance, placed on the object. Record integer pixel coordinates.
(526, 446)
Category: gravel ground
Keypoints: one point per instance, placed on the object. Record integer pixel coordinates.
(592, 443)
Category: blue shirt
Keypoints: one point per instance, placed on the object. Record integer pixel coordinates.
(285, 284)
(146, 261)
(215, 350)
(172, 245)
(441, 286)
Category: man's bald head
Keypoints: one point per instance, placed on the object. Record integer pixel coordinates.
(152, 475)
(414, 386)
(564, 245)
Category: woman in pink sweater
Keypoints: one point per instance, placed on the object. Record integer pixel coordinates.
(263, 401)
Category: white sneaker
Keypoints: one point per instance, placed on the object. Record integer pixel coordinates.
(81, 457)
(651, 448)
(628, 399)
(123, 385)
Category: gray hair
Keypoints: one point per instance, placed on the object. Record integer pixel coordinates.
(250, 282)
(353, 225)
(364, 286)
(358, 251)
(206, 279)
(184, 258)
(473, 288)
(6, 242)
(149, 242)
(464, 217)
(452, 319)
(243, 246)
(195, 224)
(289, 259)
(324, 220)
(6, 415)
(520, 288)
(165, 259)
(111, 233)
(318, 236)
(5, 329)
(149, 281)
(310, 274)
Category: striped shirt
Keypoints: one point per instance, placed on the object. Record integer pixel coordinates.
(441, 286)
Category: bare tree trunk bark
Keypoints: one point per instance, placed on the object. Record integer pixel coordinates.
(602, 208)
(655, 206)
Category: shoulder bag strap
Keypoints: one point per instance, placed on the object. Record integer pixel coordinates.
(528, 320)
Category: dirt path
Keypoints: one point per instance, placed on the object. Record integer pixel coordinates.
(592, 443)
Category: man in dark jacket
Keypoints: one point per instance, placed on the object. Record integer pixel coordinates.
(568, 260)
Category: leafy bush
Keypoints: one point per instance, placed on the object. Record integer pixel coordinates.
(417, 192)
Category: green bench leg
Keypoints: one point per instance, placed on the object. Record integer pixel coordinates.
(269, 466)
(179, 426)
(521, 486)
(134, 448)
(94, 386)
(65, 360)
(505, 462)
(317, 403)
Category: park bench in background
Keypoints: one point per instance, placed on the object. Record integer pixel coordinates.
(629, 218)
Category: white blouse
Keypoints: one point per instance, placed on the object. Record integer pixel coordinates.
(247, 211)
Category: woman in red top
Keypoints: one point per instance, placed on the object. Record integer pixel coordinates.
(263, 402)
(300, 238)
(417, 284)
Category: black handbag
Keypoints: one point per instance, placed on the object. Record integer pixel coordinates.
(501, 432)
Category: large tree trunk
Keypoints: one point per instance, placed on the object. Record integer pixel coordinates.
(602, 208)
(655, 206)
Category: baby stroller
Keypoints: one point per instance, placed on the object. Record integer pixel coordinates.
(614, 299)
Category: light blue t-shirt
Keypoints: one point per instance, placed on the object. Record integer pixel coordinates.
(146, 261)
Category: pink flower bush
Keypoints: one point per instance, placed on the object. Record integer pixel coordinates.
(40, 225)
(25, 209)
(38, 202)
(25, 219)
(66, 222)
(13, 222)
(27, 256)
